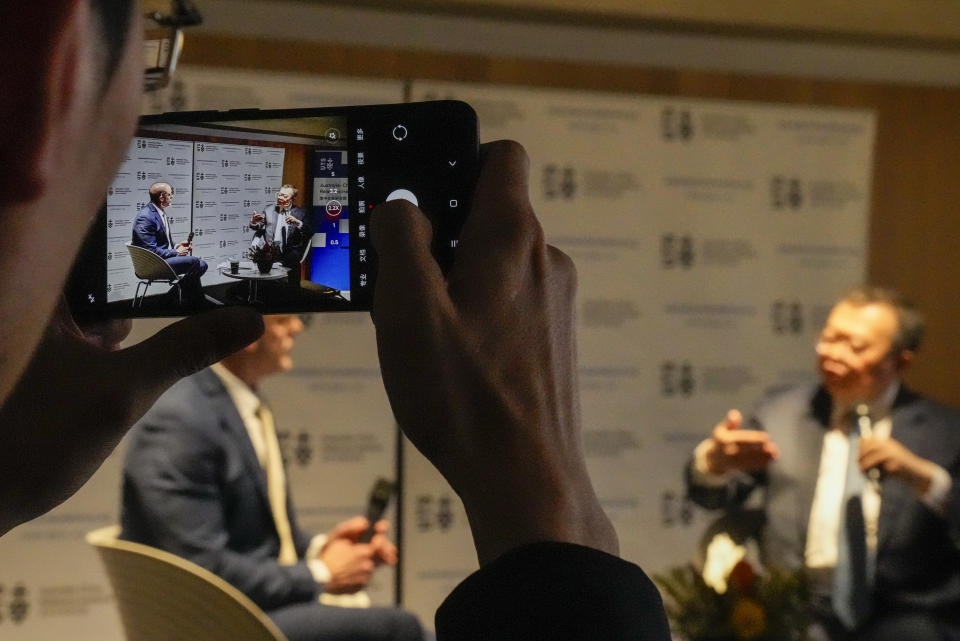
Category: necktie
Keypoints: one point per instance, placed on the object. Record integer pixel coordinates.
(852, 578)
(276, 486)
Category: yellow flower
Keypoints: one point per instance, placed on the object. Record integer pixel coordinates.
(748, 619)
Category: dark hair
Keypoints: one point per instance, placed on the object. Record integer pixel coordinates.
(114, 17)
(910, 323)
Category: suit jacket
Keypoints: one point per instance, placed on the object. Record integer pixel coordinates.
(296, 239)
(192, 485)
(918, 551)
(270, 223)
(149, 232)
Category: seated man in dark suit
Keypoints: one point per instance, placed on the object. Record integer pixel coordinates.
(204, 479)
(151, 230)
(283, 224)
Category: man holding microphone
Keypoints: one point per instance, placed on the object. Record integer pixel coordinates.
(859, 479)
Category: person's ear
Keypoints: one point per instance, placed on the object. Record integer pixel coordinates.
(42, 46)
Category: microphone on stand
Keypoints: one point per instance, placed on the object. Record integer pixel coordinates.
(866, 431)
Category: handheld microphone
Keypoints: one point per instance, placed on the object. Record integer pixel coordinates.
(380, 496)
(866, 431)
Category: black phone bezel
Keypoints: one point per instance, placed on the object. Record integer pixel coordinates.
(437, 158)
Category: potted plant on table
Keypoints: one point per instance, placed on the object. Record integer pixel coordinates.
(742, 606)
(265, 255)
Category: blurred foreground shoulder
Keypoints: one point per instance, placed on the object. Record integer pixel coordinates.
(554, 592)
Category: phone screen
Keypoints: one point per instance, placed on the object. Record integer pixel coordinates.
(269, 208)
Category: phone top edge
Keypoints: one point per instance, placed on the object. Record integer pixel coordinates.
(255, 113)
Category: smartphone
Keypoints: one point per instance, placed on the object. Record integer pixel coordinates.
(311, 177)
(380, 495)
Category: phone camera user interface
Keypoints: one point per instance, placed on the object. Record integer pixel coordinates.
(240, 212)
(270, 208)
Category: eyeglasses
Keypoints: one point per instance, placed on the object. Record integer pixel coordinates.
(163, 38)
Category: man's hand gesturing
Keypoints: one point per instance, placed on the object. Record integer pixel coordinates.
(733, 448)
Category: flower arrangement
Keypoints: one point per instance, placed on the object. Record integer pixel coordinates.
(264, 255)
(746, 606)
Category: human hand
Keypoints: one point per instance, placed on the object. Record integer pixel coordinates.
(79, 395)
(384, 551)
(480, 367)
(183, 249)
(733, 448)
(257, 218)
(351, 564)
(291, 220)
(893, 459)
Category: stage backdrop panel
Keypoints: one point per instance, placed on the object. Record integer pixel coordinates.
(200, 88)
(710, 239)
(148, 160)
(339, 432)
(230, 182)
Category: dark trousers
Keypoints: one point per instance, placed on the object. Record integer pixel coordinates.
(317, 622)
(192, 268)
(888, 624)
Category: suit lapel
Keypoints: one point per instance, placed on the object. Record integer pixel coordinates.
(232, 423)
(907, 427)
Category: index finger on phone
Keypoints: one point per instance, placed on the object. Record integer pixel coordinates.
(501, 230)
(409, 281)
(501, 197)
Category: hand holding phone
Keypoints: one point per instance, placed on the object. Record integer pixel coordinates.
(515, 295)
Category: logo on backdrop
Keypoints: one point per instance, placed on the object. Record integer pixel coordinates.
(434, 513)
(676, 124)
(303, 451)
(786, 193)
(295, 447)
(676, 379)
(676, 251)
(559, 182)
(14, 603)
(786, 317)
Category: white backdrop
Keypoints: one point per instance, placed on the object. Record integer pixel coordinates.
(229, 183)
(148, 160)
(710, 239)
(215, 188)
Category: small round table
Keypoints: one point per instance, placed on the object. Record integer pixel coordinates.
(251, 273)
